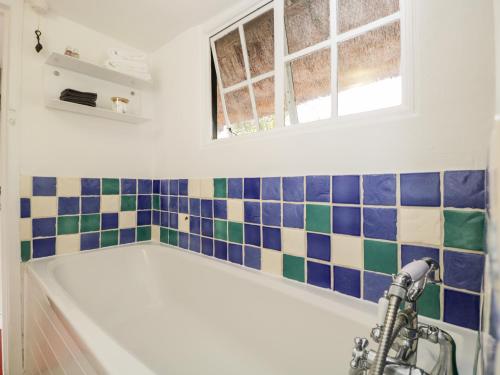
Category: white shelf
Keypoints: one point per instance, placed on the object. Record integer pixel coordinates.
(96, 71)
(94, 111)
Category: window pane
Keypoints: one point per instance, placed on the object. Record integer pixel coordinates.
(307, 22)
(230, 58)
(369, 75)
(356, 13)
(308, 91)
(239, 111)
(259, 36)
(221, 121)
(264, 100)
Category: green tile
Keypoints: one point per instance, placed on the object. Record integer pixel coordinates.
(128, 203)
(156, 202)
(25, 251)
(67, 224)
(143, 234)
(318, 218)
(220, 188)
(220, 229)
(90, 223)
(110, 186)
(293, 268)
(464, 229)
(163, 235)
(173, 237)
(381, 257)
(235, 232)
(429, 303)
(109, 238)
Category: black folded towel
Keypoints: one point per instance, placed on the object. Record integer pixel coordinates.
(79, 94)
(90, 103)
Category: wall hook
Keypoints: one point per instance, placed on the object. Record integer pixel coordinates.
(38, 46)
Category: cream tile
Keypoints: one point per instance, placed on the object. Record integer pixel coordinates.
(68, 187)
(184, 223)
(420, 225)
(25, 186)
(127, 219)
(235, 210)
(25, 231)
(155, 233)
(43, 207)
(207, 188)
(272, 261)
(347, 251)
(294, 241)
(110, 203)
(194, 188)
(67, 244)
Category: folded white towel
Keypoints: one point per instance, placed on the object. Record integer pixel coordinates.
(145, 76)
(134, 66)
(126, 54)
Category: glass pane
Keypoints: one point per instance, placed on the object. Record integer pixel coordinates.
(222, 131)
(264, 100)
(259, 36)
(356, 13)
(239, 111)
(307, 22)
(369, 75)
(308, 91)
(230, 58)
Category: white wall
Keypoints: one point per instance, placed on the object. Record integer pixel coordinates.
(454, 90)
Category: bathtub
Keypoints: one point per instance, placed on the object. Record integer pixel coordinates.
(152, 309)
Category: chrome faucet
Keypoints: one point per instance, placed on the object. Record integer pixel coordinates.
(399, 330)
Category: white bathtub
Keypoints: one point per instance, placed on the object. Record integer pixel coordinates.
(151, 309)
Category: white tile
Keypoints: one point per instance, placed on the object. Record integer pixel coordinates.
(184, 223)
(194, 188)
(347, 251)
(294, 241)
(25, 231)
(67, 244)
(127, 219)
(25, 186)
(420, 225)
(155, 233)
(43, 207)
(272, 261)
(235, 210)
(69, 187)
(207, 188)
(110, 203)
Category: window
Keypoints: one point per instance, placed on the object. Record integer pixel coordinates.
(336, 58)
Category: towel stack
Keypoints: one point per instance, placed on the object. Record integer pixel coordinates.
(128, 62)
(78, 97)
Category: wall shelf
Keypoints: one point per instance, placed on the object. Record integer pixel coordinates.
(93, 111)
(96, 71)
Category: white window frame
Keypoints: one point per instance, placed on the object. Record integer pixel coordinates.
(404, 110)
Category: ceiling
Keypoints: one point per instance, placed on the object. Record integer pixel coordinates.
(144, 24)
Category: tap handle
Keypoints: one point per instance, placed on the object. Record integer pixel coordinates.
(360, 343)
(359, 353)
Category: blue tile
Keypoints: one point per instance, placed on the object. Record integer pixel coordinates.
(44, 186)
(235, 188)
(195, 206)
(207, 209)
(271, 188)
(235, 253)
(164, 187)
(345, 189)
(173, 187)
(183, 240)
(319, 275)
(252, 212)
(173, 203)
(252, 257)
(319, 246)
(144, 202)
(293, 189)
(464, 189)
(207, 227)
(109, 221)
(156, 186)
(207, 246)
(128, 186)
(44, 227)
(461, 309)
(44, 247)
(89, 241)
(420, 189)
(318, 188)
(409, 253)
(463, 270)
(347, 281)
(25, 207)
(293, 215)
(127, 236)
(183, 187)
(380, 223)
(144, 217)
(194, 243)
(252, 234)
(194, 224)
(164, 219)
(145, 186)
(346, 220)
(374, 285)
(69, 206)
(252, 188)
(220, 209)
(164, 202)
(271, 214)
(156, 217)
(91, 186)
(173, 221)
(220, 250)
(271, 238)
(379, 189)
(91, 205)
(184, 205)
